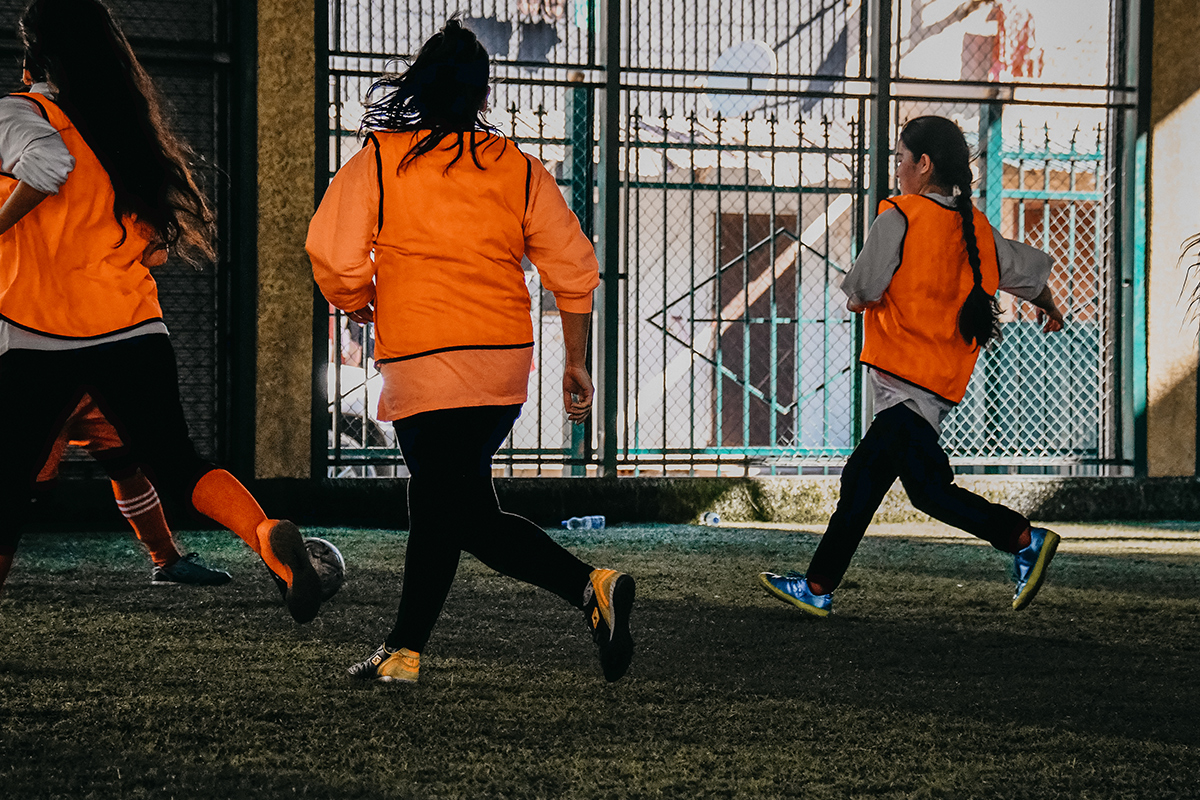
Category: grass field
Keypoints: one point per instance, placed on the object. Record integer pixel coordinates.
(922, 684)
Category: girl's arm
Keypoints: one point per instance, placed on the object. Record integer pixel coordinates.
(23, 199)
(577, 384)
(872, 272)
(1045, 301)
(342, 234)
(1025, 273)
(567, 264)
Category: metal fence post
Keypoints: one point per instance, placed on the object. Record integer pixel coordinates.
(578, 170)
(610, 230)
(320, 357)
(878, 153)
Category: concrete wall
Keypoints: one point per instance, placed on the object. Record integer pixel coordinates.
(1174, 215)
(286, 170)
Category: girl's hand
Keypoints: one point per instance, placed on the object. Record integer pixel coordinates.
(363, 315)
(858, 308)
(1051, 319)
(155, 255)
(577, 394)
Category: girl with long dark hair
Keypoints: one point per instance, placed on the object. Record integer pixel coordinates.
(95, 189)
(423, 232)
(925, 283)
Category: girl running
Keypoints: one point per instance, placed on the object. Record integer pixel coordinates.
(95, 187)
(925, 284)
(423, 232)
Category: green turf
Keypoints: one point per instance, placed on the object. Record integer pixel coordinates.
(922, 684)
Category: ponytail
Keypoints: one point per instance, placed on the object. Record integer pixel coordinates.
(979, 317)
(943, 141)
(442, 93)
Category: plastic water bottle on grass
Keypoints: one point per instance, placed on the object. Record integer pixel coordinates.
(710, 518)
(592, 523)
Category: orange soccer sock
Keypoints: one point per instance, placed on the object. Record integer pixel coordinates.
(221, 497)
(139, 502)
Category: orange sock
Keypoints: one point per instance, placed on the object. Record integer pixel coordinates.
(221, 497)
(139, 503)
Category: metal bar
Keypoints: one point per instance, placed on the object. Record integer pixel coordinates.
(321, 421)
(609, 226)
(879, 146)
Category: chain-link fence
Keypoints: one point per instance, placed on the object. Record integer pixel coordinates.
(752, 142)
(186, 47)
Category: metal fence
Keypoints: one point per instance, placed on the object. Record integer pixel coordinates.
(728, 166)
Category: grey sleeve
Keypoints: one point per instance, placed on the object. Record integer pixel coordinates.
(30, 148)
(872, 272)
(1024, 270)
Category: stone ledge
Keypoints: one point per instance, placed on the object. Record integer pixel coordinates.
(85, 504)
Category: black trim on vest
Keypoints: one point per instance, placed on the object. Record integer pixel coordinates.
(30, 97)
(16, 324)
(378, 175)
(906, 380)
(436, 350)
(528, 179)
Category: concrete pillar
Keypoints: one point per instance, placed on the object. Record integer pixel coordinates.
(286, 169)
(1174, 216)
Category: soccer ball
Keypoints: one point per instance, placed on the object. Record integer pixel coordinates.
(328, 562)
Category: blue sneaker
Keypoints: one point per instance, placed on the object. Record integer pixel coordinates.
(1030, 564)
(792, 588)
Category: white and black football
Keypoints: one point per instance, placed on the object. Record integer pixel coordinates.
(328, 562)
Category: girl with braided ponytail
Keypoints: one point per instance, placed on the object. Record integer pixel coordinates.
(926, 284)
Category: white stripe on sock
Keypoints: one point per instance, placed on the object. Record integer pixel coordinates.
(136, 506)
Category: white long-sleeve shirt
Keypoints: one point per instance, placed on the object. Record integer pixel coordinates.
(30, 149)
(1024, 271)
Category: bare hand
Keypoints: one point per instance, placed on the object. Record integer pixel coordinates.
(363, 315)
(577, 394)
(1051, 319)
(858, 308)
(155, 255)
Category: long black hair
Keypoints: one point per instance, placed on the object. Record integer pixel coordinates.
(442, 92)
(80, 49)
(943, 141)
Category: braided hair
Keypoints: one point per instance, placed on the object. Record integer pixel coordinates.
(943, 141)
(442, 92)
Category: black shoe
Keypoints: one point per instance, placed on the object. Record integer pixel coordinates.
(189, 569)
(607, 601)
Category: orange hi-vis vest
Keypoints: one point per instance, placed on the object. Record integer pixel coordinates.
(449, 248)
(913, 332)
(64, 269)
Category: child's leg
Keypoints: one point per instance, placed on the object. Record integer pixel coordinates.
(139, 504)
(30, 419)
(929, 480)
(453, 507)
(135, 495)
(866, 478)
(135, 384)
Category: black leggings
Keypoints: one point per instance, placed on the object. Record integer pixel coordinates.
(900, 444)
(136, 386)
(452, 507)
